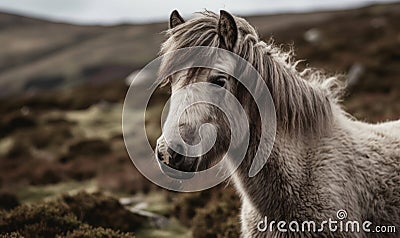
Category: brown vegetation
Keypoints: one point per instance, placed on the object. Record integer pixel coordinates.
(82, 215)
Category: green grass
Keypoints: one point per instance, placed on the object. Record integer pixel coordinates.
(156, 202)
(32, 194)
(98, 121)
(173, 230)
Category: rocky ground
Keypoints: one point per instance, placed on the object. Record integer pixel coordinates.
(64, 170)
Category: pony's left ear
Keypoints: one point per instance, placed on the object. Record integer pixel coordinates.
(175, 19)
(227, 30)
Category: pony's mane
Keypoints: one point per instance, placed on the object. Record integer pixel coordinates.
(304, 100)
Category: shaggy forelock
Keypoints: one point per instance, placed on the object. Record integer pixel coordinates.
(303, 100)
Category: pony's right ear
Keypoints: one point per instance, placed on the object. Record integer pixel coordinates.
(175, 19)
(227, 30)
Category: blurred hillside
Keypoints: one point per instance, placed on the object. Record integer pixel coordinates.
(42, 55)
(46, 55)
(61, 93)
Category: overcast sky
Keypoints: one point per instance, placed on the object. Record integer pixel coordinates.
(117, 11)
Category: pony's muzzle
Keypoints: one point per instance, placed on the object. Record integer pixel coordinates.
(173, 163)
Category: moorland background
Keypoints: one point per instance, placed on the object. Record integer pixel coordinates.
(64, 169)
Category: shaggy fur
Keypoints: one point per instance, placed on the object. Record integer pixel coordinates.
(322, 160)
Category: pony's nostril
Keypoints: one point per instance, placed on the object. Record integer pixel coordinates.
(177, 158)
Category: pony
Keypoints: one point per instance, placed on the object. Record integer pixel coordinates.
(322, 161)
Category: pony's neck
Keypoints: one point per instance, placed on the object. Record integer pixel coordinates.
(272, 191)
(304, 115)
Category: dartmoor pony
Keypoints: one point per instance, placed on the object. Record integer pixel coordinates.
(322, 160)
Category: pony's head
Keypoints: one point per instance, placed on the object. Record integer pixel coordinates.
(200, 121)
(302, 100)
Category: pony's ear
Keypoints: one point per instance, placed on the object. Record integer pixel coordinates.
(175, 19)
(227, 30)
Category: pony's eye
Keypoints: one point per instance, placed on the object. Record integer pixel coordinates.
(219, 81)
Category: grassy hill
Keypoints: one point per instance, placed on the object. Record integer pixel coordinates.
(47, 55)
